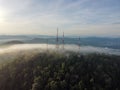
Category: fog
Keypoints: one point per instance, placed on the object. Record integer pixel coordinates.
(12, 52)
(43, 47)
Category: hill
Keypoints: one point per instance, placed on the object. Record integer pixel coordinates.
(109, 42)
(55, 71)
(14, 42)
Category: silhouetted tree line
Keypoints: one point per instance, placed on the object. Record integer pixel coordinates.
(56, 71)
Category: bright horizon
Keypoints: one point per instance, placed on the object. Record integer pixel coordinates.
(74, 17)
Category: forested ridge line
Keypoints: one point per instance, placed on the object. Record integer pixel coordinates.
(56, 71)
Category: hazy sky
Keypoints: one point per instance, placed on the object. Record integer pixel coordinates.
(74, 17)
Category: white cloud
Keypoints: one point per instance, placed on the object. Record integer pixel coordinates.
(74, 17)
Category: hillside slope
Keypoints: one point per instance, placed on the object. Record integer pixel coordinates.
(55, 71)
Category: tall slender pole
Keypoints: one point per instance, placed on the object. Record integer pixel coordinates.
(57, 35)
(63, 40)
(79, 43)
(47, 44)
(57, 45)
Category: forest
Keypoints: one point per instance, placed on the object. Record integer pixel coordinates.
(61, 71)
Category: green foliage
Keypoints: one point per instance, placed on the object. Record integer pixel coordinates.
(56, 71)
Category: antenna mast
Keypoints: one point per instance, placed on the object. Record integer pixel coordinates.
(79, 43)
(63, 40)
(57, 44)
(47, 44)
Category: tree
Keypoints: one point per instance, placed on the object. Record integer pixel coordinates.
(38, 83)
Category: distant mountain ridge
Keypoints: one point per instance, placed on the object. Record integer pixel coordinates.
(88, 41)
(14, 42)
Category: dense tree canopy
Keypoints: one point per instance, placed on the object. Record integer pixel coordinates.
(55, 71)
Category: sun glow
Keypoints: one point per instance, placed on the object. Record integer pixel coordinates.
(2, 15)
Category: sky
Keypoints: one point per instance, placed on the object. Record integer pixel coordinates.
(73, 17)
